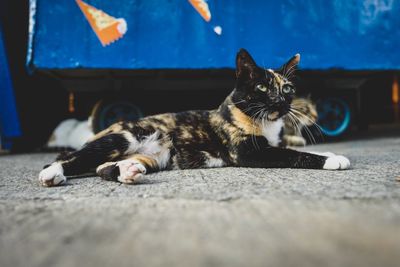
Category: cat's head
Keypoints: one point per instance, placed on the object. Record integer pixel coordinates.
(263, 93)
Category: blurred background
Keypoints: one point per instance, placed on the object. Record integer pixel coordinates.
(112, 60)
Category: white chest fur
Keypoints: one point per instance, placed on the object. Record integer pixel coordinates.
(271, 130)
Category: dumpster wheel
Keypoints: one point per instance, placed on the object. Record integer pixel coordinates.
(108, 112)
(334, 116)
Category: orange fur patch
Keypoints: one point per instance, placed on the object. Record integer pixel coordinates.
(145, 160)
(244, 122)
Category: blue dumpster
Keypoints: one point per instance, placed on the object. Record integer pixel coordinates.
(9, 122)
(345, 34)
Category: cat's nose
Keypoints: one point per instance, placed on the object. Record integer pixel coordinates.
(278, 99)
(280, 105)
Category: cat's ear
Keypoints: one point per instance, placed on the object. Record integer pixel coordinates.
(289, 67)
(245, 65)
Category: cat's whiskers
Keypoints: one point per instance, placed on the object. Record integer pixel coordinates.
(262, 116)
(248, 109)
(253, 137)
(284, 70)
(255, 119)
(302, 115)
(241, 101)
(253, 130)
(290, 119)
(308, 132)
(254, 105)
(294, 123)
(313, 122)
(306, 128)
(311, 138)
(289, 72)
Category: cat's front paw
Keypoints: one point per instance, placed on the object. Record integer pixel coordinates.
(336, 162)
(130, 171)
(52, 175)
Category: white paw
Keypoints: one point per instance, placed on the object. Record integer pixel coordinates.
(52, 175)
(336, 163)
(130, 171)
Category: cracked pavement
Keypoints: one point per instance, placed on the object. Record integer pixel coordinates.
(213, 217)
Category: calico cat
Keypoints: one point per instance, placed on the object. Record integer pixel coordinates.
(303, 113)
(244, 131)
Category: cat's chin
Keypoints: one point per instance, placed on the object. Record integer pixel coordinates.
(273, 116)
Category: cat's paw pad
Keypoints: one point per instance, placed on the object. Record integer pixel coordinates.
(52, 175)
(130, 171)
(336, 163)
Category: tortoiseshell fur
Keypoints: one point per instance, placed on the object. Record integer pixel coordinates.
(304, 115)
(246, 130)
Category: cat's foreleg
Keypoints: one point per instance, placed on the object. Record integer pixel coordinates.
(272, 157)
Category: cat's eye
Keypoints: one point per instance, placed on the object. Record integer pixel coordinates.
(287, 89)
(261, 87)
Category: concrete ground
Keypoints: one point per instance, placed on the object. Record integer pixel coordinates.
(215, 217)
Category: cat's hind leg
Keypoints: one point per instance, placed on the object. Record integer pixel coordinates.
(132, 169)
(106, 148)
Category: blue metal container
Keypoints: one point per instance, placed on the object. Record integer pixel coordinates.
(9, 122)
(344, 34)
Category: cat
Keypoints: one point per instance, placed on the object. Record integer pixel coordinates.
(244, 131)
(303, 114)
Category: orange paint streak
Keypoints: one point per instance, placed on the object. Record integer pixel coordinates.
(202, 8)
(107, 34)
(71, 102)
(395, 90)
